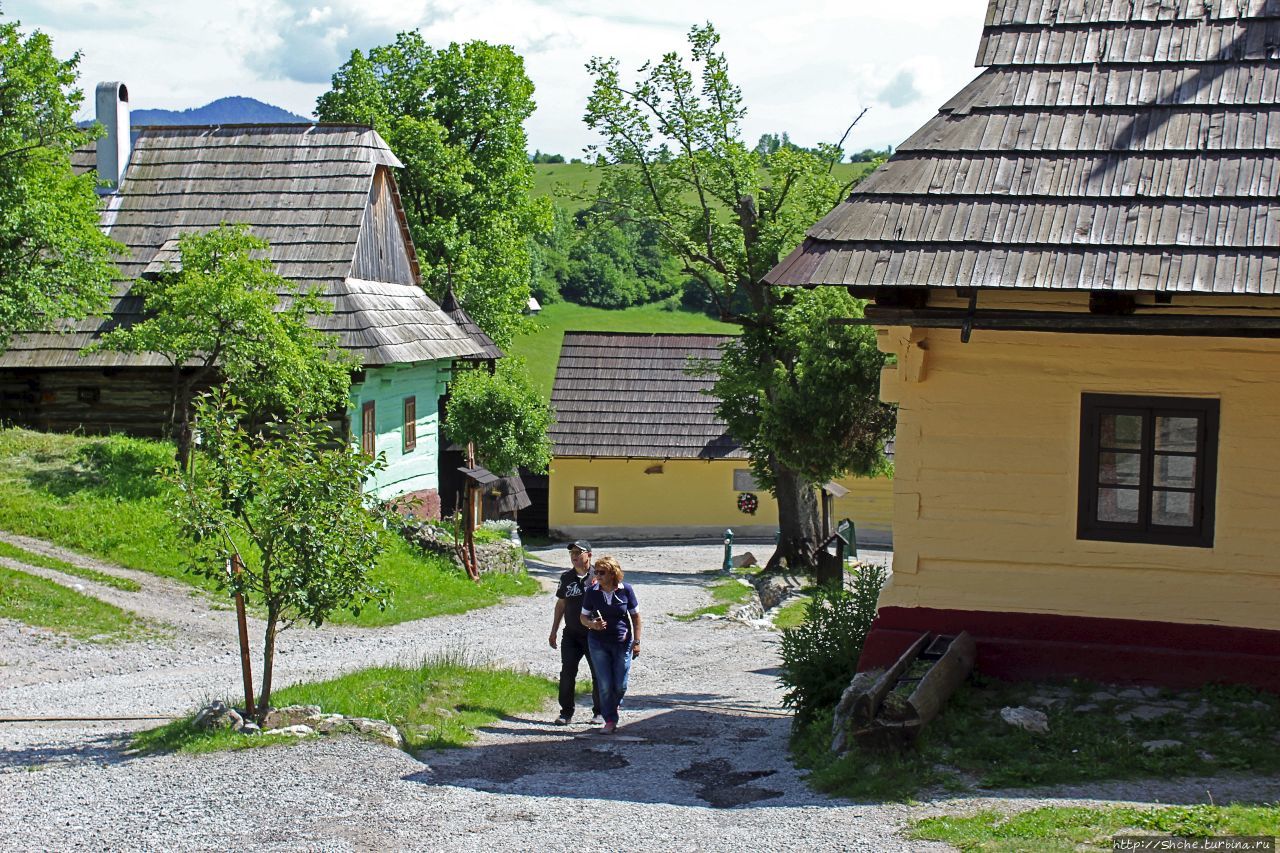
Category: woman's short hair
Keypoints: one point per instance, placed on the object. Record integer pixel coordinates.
(609, 566)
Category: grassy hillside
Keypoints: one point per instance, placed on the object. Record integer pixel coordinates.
(573, 185)
(541, 347)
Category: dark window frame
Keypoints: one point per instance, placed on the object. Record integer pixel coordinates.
(580, 492)
(1200, 534)
(369, 429)
(410, 432)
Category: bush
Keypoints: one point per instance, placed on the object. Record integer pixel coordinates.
(820, 655)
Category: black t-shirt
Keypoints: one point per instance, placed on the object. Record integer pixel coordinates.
(571, 589)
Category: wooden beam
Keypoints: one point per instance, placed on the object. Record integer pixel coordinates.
(1049, 321)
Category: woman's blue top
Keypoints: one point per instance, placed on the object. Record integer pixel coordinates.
(615, 608)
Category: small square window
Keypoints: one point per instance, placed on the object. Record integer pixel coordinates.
(744, 480)
(586, 499)
(410, 423)
(1147, 469)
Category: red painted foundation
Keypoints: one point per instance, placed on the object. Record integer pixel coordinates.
(1017, 646)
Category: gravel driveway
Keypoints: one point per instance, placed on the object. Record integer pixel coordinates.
(699, 762)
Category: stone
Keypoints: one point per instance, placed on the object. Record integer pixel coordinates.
(1027, 719)
(1102, 696)
(744, 560)
(250, 728)
(1043, 701)
(773, 589)
(292, 731)
(291, 715)
(216, 715)
(1144, 712)
(1160, 745)
(330, 723)
(379, 729)
(752, 610)
(1086, 707)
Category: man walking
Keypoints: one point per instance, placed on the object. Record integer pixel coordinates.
(573, 643)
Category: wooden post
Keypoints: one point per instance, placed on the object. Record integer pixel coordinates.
(245, 670)
(469, 541)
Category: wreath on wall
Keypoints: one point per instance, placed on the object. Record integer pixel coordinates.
(748, 503)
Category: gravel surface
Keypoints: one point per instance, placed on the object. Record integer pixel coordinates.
(699, 762)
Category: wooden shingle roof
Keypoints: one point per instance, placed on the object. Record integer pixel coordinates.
(488, 349)
(1128, 145)
(626, 395)
(305, 189)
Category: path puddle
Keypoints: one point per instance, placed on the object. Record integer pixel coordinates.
(723, 787)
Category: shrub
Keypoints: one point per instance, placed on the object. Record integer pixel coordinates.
(820, 655)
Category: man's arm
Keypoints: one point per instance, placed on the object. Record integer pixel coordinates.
(555, 621)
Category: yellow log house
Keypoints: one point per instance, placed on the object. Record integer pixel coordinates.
(640, 454)
(1076, 269)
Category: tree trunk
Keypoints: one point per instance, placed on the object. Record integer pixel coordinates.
(183, 432)
(268, 659)
(797, 519)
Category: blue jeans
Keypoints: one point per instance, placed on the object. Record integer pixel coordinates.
(612, 663)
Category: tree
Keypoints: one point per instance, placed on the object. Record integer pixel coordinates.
(617, 262)
(55, 262)
(680, 166)
(455, 117)
(503, 414)
(287, 501)
(219, 316)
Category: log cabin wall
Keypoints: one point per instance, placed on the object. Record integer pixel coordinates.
(383, 250)
(96, 401)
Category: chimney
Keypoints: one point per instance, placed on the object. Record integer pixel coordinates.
(114, 146)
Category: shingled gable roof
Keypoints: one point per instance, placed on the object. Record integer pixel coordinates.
(625, 395)
(305, 189)
(488, 349)
(1129, 145)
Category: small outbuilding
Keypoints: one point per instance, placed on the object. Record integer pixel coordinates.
(639, 453)
(1076, 266)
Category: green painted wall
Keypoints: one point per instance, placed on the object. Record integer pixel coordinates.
(387, 388)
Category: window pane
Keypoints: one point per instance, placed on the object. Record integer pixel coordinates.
(1177, 433)
(1119, 469)
(1119, 506)
(1122, 431)
(1176, 471)
(1173, 509)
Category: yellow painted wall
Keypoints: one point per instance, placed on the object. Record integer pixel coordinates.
(985, 486)
(689, 498)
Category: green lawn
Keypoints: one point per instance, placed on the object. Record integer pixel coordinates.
(541, 348)
(45, 604)
(726, 592)
(574, 185)
(13, 552)
(439, 703)
(1067, 828)
(103, 497)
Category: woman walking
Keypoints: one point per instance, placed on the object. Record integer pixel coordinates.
(611, 611)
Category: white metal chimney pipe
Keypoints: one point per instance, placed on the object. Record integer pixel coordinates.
(115, 144)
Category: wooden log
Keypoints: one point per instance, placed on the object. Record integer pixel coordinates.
(867, 705)
(943, 678)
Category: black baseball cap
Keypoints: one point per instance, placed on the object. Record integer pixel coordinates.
(580, 544)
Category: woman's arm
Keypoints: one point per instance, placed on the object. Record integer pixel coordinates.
(635, 634)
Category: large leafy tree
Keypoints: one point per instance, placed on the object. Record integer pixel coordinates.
(503, 414)
(455, 118)
(219, 317)
(54, 260)
(800, 395)
(287, 501)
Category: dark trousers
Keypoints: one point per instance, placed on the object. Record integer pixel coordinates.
(573, 648)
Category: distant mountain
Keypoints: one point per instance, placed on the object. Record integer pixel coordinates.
(234, 110)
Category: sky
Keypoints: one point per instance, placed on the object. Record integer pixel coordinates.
(805, 67)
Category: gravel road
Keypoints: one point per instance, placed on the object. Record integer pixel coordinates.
(699, 762)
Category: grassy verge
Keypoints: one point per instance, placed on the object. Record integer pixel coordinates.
(104, 497)
(791, 614)
(1073, 828)
(1093, 735)
(45, 604)
(438, 704)
(13, 552)
(726, 592)
(541, 347)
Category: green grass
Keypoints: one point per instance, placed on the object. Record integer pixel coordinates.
(1071, 828)
(13, 552)
(726, 592)
(969, 746)
(437, 704)
(103, 497)
(541, 347)
(791, 614)
(574, 185)
(45, 604)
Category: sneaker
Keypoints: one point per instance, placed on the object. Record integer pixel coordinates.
(562, 721)
(597, 720)
(608, 728)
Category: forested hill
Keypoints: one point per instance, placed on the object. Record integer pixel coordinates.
(233, 110)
